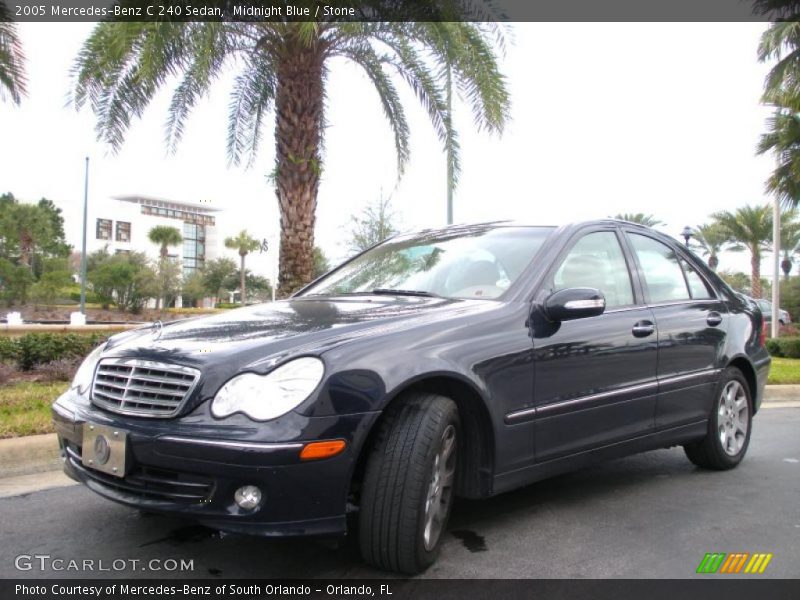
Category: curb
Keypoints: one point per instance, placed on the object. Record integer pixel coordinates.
(40, 453)
(29, 454)
(782, 393)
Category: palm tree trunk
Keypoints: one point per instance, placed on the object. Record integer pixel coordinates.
(298, 132)
(755, 273)
(241, 279)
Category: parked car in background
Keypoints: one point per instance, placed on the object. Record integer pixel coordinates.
(466, 361)
(766, 309)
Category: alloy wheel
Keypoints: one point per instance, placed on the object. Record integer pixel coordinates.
(733, 418)
(440, 488)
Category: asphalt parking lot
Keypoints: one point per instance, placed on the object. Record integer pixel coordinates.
(650, 516)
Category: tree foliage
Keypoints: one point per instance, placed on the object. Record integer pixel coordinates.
(13, 80)
(749, 228)
(640, 218)
(218, 274)
(244, 244)
(374, 224)
(710, 239)
(321, 263)
(124, 279)
(164, 236)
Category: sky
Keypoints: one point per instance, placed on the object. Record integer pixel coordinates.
(659, 118)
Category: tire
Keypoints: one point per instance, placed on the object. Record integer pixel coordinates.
(729, 425)
(409, 483)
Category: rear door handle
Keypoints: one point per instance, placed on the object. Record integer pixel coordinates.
(643, 329)
(714, 319)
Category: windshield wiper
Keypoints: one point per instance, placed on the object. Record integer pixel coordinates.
(395, 292)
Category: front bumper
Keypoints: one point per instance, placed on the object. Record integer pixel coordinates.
(185, 466)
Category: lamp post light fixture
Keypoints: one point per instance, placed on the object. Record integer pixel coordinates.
(687, 234)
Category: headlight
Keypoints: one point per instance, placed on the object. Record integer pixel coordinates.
(264, 397)
(83, 377)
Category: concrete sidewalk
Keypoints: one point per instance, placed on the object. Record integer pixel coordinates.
(28, 463)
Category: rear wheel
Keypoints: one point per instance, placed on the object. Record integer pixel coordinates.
(729, 425)
(409, 484)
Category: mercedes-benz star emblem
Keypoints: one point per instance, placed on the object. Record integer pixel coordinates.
(101, 450)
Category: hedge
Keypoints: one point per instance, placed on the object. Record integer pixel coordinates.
(784, 347)
(33, 349)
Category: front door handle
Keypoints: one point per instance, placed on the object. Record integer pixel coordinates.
(714, 319)
(643, 329)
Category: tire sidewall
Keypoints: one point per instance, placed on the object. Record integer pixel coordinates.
(426, 557)
(731, 374)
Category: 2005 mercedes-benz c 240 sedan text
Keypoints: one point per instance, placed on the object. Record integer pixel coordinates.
(466, 361)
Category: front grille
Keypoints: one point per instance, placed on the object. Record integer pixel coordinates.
(148, 482)
(143, 388)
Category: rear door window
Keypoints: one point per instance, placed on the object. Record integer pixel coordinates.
(661, 270)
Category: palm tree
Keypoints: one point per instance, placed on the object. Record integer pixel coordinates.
(284, 67)
(790, 240)
(780, 42)
(12, 60)
(641, 218)
(710, 239)
(783, 140)
(749, 227)
(244, 244)
(165, 237)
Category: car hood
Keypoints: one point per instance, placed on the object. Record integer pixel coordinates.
(257, 337)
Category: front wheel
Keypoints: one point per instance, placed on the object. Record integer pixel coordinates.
(729, 425)
(409, 484)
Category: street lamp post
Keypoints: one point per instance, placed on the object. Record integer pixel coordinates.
(687, 234)
(83, 243)
(776, 268)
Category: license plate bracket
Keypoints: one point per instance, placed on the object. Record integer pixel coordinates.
(105, 449)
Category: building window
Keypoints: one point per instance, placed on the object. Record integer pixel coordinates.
(121, 251)
(123, 231)
(194, 247)
(103, 229)
(185, 216)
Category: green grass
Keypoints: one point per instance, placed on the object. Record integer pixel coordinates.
(784, 370)
(25, 407)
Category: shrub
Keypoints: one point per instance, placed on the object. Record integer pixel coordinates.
(58, 370)
(227, 305)
(787, 347)
(34, 349)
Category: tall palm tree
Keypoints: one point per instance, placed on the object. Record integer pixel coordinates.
(790, 240)
(284, 67)
(12, 60)
(244, 244)
(165, 237)
(710, 239)
(641, 218)
(749, 227)
(780, 44)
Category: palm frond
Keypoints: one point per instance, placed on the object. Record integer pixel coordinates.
(13, 80)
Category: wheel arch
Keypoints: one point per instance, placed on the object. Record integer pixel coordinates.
(476, 465)
(749, 372)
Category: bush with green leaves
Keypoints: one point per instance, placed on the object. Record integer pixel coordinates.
(124, 279)
(33, 349)
(785, 347)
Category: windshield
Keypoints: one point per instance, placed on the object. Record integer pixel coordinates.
(466, 262)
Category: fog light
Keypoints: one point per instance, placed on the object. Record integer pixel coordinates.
(247, 497)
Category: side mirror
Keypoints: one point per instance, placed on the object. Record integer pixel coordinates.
(574, 303)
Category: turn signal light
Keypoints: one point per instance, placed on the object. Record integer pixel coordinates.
(317, 450)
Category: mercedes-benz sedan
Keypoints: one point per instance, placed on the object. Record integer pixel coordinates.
(466, 361)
